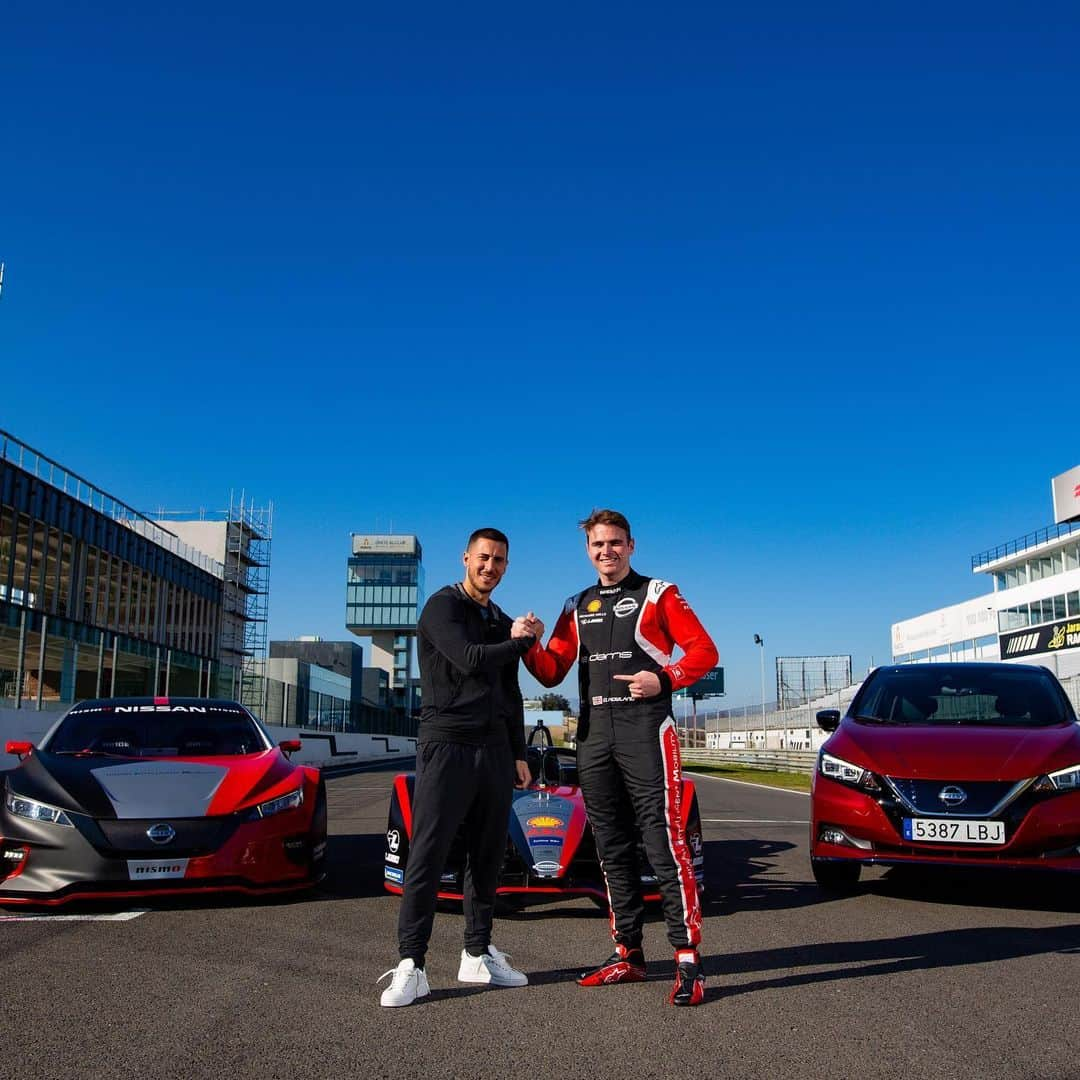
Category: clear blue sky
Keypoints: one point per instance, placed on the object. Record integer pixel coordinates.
(795, 289)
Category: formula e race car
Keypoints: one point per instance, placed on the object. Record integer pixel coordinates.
(550, 852)
(149, 796)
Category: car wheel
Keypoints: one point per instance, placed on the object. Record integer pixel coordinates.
(836, 877)
(318, 836)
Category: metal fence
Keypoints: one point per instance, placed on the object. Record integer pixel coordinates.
(1072, 688)
(802, 761)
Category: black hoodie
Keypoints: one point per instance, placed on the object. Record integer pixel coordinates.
(468, 673)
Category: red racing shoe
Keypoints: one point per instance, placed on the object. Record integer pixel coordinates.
(622, 966)
(689, 988)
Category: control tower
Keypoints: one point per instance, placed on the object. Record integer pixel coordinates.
(384, 593)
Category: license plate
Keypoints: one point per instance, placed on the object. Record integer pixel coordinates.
(156, 869)
(951, 831)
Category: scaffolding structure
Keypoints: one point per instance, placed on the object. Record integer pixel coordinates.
(247, 575)
(240, 540)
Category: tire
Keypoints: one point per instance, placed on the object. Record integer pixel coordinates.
(318, 836)
(836, 877)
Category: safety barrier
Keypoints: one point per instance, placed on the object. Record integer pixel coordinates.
(777, 760)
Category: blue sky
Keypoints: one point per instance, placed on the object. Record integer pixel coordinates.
(793, 288)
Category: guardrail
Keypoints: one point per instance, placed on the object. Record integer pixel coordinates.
(1023, 543)
(802, 761)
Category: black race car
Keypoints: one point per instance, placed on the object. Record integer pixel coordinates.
(550, 851)
(148, 796)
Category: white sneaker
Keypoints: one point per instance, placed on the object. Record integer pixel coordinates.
(493, 968)
(408, 984)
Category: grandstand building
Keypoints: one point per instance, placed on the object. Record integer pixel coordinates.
(98, 599)
(1032, 612)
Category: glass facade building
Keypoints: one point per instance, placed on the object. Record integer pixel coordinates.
(385, 591)
(96, 599)
(384, 594)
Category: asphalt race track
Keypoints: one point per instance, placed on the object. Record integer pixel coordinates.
(914, 976)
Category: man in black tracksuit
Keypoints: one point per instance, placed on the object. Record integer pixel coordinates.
(470, 755)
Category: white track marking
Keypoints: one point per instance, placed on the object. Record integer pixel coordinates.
(120, 916)
(754, 821)
(746, 783)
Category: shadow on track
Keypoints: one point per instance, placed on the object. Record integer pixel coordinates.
(745, 874)
(888, 956)
(354, 867)
(1005, 890)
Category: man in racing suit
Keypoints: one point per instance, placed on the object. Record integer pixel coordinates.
(621, 633)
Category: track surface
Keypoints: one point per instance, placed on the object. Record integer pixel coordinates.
(964, 977)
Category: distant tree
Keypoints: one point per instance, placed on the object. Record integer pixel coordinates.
(555, 701)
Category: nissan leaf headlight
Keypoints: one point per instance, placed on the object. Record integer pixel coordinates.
(853, 775)
(276, 806)
(1062, 780)
(23, 807)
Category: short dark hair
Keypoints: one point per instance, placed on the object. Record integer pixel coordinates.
(606, 517)
(489, 534)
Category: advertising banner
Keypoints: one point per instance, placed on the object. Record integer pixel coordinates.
(711, 684)
(396, 545)
(1040, 639)
(1066, 489)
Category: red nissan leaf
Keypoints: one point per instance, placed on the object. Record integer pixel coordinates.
(951, 765)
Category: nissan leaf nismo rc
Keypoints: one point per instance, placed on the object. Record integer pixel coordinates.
(150, 796)
(948, 764)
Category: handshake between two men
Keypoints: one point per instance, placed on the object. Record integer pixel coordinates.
(642, 684)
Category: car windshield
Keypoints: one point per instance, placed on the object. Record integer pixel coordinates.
(199, 731)
(963, 694)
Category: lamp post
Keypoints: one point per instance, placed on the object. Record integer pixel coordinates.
(760, 642)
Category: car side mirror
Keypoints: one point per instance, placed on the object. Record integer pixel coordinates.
(22, 749)
(290, 746)
(828, 719)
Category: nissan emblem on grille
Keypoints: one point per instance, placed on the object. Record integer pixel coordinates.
(161, 834)
(952, 795)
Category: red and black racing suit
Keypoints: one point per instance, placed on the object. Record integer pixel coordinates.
(628, 748)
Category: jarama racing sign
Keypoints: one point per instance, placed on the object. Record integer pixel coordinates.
(1040, 639)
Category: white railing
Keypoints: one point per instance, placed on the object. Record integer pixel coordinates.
(56, 475)
(801, 761)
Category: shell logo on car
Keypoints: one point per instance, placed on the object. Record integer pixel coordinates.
(545, 823)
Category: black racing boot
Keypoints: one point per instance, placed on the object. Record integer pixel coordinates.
(689, 988)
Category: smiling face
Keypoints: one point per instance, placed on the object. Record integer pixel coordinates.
(609, 549)
(485, 563)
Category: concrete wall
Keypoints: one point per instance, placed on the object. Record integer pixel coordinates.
(318, 749)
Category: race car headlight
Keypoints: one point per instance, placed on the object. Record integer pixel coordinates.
(854, 775)
(1062, 780)
(278, 805)
(23, 807)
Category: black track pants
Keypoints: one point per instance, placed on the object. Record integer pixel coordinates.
(630, 771)
(455, 784)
